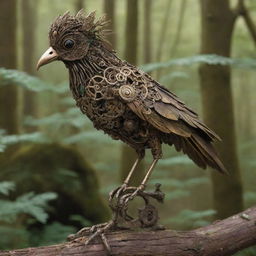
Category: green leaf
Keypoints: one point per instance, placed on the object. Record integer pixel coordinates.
(35, 137)
(191, 216)
(94, 136)
(176, 194)
(11, 76)
(6, 187)
(52, 234)
(211, 59)
(29, 203)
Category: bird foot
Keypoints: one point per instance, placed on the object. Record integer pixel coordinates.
(95, 231)
(147, 216)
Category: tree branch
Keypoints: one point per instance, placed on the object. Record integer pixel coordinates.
(241, 10)
(221, 238)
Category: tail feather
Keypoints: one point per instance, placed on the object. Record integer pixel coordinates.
(201, 151)
(209, 153)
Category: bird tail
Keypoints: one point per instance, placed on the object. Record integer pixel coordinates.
(198, 149)
(208, 153)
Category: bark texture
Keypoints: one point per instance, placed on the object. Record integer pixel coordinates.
(9, 94)
(217, 21)
(222, 238)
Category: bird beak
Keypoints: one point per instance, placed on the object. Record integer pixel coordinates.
(49, 56)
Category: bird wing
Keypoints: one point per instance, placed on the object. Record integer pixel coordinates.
(179, 124)
(166, 112)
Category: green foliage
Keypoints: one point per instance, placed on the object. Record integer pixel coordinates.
(192, 218)
(64, 176)
(176, 194)
(72, 117)
(66, 122)
(250, 197)
(16, 214)
(31, 204)
(6, 140)
(211, 59)
(173, 76)
(78, 218)
(183, 159)
(251, 251)
(17, 237)
(91, 136)
(6, 187)
(181, 184)
(11, 76)
(51, 234)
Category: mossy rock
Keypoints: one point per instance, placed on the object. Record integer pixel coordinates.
(56, 168)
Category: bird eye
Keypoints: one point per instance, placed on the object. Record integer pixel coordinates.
(69, 44)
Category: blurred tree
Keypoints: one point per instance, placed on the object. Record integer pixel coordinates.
(79, 5)
(244, 12)
(217, 21)
(109, 9)
(147, 31)
(131, 34)
(28, 19)
(10, 104)
(162, 35)
(177, 37)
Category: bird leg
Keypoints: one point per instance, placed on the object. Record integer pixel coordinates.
(130, 196)
(118, 191)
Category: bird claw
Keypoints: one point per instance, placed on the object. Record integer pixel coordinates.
(117, 192)
(99, 229)
(130, 196)
(96, 230)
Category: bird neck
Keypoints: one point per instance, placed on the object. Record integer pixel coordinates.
(94, 63)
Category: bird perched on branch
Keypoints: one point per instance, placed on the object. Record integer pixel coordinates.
(122, 100)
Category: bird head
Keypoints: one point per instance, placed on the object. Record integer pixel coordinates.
(72, 36)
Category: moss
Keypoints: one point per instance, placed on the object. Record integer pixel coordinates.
(53, 167)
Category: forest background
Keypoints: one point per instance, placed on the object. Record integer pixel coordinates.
(57, 170)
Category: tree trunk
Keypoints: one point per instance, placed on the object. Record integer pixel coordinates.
(217, 21)
(9, 94)
(131, 33)
(147, 31)
(79, 5)
(223, 238)
(109, 9)
(176, 40)
(162, 35)
(28, 18)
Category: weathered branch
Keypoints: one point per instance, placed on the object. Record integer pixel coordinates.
(241, 10)
(220, 238)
